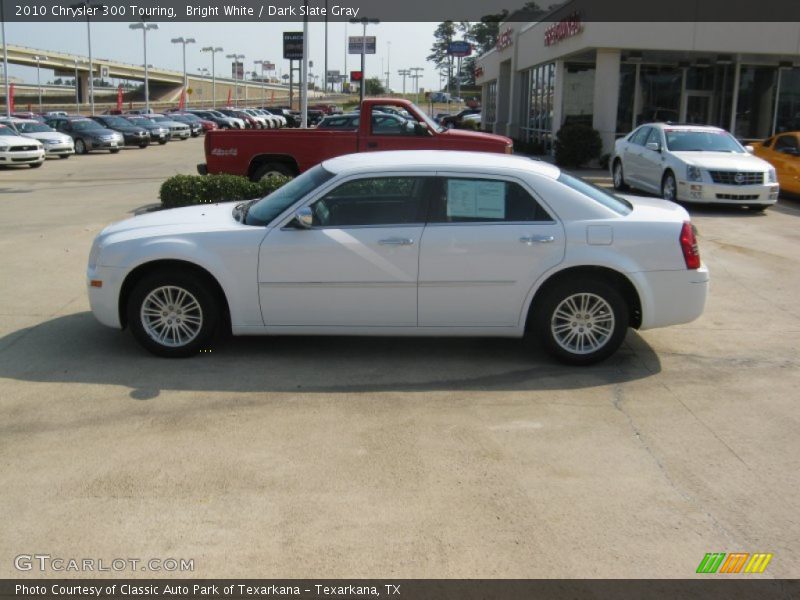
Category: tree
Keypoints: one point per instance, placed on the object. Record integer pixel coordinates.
(374, 87)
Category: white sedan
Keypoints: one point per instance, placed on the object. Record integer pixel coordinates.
(693, 163)
(18, 150)
(416, 243)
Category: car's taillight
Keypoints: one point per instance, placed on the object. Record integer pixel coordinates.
(691, 253)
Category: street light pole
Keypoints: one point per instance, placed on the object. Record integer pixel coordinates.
(416, 77)
(404, 73)
(5, 58)
(304, 74)
(236, 58)
(145, 27)
(388, 65)
(364, 22)
(213, 51)
(183, 42)
(38, 59)
(77, 96)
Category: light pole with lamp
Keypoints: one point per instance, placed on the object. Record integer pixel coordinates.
(145, 27)
(364, 22)
(77, 87)
(236, 58)
(183, 41)
(38, 60)
(404, 73)
(416, 75)
(89, 4)
(213, 51)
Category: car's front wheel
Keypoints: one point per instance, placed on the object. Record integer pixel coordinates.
(618, 176)
(173, 314)
(581, 322)
(80, 146)
(669, 187)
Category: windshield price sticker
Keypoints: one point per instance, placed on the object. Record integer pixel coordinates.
(476, 199)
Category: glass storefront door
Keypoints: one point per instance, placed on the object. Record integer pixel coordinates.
(696, 107)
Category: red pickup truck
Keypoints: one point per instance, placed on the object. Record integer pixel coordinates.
(262, 153)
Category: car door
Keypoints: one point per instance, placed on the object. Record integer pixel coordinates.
(652, 161)
(357, 265)
(388, 132)
(785, 157)
(487, 241)
(632, 159)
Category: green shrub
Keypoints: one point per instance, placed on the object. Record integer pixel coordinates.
(186, 190)
(577, 144)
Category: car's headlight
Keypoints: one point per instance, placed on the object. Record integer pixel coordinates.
(693, 173)
(772, 176)
(3, 147)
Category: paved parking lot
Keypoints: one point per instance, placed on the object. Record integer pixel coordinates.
(338, 457)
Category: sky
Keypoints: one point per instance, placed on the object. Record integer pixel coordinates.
(403, 45)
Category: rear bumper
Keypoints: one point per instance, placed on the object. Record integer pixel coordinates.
(202, 168)
(671, 297)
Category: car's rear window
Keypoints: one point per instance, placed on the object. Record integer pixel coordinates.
(618, 205)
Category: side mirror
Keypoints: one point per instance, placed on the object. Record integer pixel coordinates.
(655, 146)
(303, 218)
(749, 148)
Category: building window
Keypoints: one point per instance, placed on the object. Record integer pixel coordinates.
(625, 103)
(578, 93)
(537, 117)
(489, 115)
(660, 90)
(756, 102)
(788, 118)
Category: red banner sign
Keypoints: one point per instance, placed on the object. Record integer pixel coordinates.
(119, 98)
(11, 98)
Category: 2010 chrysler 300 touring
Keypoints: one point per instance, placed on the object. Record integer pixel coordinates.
(405, 243)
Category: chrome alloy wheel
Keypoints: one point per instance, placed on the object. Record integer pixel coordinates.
(171, 316)
(582, 323)
(618, 182)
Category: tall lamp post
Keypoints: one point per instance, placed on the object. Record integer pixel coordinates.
(213, 51)
(415, 77)
(183, 41)
(145, 27)
(89, 4)
(404, 73)
(77, 87)
(364, 22)
(38, 60)
(236, 58)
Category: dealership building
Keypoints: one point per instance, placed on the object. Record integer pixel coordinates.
(744, 77)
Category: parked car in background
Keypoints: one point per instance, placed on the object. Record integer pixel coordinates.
(55, 143)
(236, 120)
(382, 123)
(29, 115)
(87, 134)
(292, 116)
(132, 134)
(177, 130)
(782, 151)
(471, 122)
(456, 120)
(328, 109)
(194, 122)
(260, 154)
(693, 163)
(222, 121)
(18, 150)
(158, 132)
(406, 243)
(285, 114)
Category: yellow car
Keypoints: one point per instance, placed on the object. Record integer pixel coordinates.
(782, 151)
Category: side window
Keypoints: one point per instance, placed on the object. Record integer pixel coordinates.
(463, 200)
(374, 201)
(786, 142)
(640, 135)
(655, 136)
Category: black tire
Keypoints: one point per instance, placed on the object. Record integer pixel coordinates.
(758, 207)
(144, 144)
(162, 142)
(270, 170)
(63, 156)
(114, 150)
(619, 181)
(196, 287)
(80, 147)
(669, 187)
(612, 315)
(35, 165)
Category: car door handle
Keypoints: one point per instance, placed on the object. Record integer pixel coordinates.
(536, 239)
(396, 242)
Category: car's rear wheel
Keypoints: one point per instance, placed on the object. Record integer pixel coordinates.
(669, 187)
(581, 322)
(272, 170)
(80, 146)
(618, 176)
(172, 314)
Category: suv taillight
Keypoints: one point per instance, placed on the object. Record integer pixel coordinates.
(691, 253)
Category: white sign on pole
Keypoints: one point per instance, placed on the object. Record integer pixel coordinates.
(355, 44)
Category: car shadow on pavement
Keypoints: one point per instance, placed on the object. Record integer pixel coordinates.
(76, 349)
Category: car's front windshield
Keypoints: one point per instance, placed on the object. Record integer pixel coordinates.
(432, 125)
(269, 207)
(34, 128)
(86, 125)
(142, 122)
(685, 140)
(159, 119)
(6, 130)
(116, 122)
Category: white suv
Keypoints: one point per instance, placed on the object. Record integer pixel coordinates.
(693, 163)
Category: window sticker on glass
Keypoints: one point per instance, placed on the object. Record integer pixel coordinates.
(476, 199)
